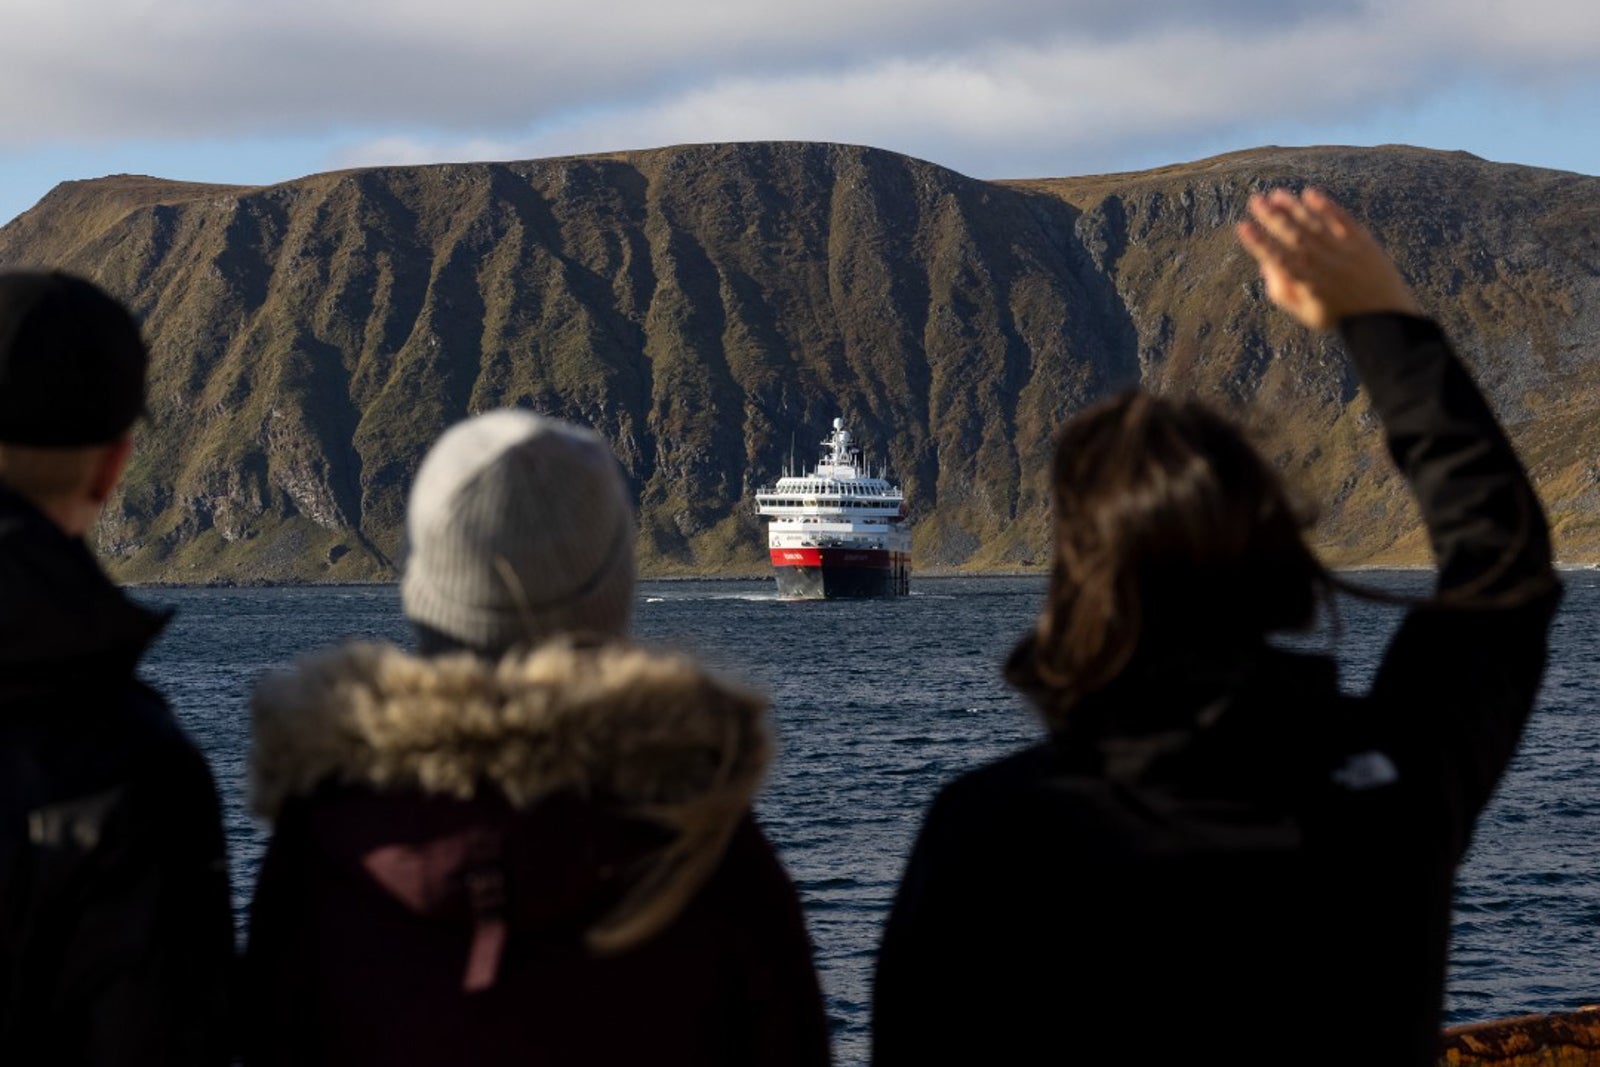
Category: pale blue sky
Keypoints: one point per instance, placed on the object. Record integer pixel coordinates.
(239, 91)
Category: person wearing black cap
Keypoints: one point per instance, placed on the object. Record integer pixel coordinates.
(116, 937)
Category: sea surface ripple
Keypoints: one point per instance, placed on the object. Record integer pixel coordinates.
(877, 703)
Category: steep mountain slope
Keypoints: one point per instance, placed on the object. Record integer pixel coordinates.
(705, 306)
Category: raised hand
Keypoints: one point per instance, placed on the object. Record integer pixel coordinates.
(1320, 264)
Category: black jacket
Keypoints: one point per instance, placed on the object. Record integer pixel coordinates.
(116, 936)
(1270, 880)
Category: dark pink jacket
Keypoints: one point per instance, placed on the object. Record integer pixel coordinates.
(450, 833)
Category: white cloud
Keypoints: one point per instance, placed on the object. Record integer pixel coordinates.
(1000, 105)
(955, 81)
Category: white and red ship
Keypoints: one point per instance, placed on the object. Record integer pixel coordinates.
(838, 531)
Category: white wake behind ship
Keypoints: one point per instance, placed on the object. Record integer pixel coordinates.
(839, 530)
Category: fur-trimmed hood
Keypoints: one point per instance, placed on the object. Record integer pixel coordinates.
(570, 744)
(644, 729)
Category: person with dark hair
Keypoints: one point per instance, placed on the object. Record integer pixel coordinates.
(1216, 855)
(533, 842)
(116, 934)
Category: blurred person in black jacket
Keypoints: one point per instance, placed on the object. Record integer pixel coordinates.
(1216, 855)
(116, 939)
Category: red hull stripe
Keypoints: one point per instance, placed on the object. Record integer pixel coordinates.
(871, 558)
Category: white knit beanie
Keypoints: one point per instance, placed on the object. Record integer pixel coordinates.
(519, 529)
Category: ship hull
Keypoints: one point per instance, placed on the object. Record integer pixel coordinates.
(840, 573)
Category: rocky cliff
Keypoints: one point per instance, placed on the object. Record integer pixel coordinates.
(705, 306)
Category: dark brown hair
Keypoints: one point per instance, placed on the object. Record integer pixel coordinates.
(1173, 538)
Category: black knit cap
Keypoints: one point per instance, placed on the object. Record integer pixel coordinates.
(72, 363)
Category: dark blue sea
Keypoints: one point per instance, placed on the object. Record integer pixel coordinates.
(879, 702)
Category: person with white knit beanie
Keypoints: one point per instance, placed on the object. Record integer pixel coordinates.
(530, 841)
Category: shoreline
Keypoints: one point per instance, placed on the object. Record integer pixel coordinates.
(942, 574)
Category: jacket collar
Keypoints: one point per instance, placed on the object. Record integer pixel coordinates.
(1239, 725)
(649, 730)
(57, 607)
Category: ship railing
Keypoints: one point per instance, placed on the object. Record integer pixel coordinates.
(813, 504)
(774, 490)
(892, 495)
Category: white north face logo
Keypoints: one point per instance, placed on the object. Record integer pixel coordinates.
(1367, 770)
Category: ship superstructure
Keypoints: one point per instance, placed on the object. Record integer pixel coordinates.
(839, 530)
